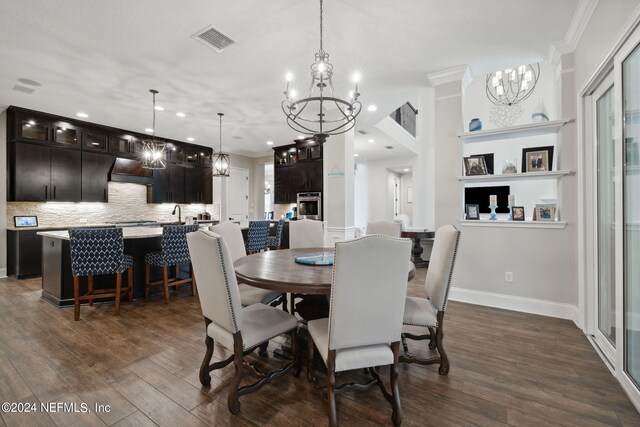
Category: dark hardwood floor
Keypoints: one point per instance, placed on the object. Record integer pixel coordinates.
(507, 368)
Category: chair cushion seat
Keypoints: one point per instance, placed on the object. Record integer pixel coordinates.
(260, 323)
(250, 295)
(154, 258)
(420, 312)
(127, 262)
(348, 358)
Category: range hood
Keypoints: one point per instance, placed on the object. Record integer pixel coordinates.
(130, 170)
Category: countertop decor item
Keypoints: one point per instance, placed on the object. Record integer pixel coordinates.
(321, 113)
(153, 152)
(321, 258)
(475, 124)
(506, 89)
(221, 162)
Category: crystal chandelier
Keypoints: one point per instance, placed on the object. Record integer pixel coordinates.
(513, 85)
(221, 160)
(321, 114)
(152, 150)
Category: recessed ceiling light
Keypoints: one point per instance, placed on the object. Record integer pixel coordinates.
(269, 142)
(355, 155)
(190, 139)
(82, 115)
(181, 114)
(406, 170)
(148, 130)
(372, 108)
(371, 141)
(32, 122)
(159, 108)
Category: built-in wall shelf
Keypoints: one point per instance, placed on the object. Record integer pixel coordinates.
(516, 176)
(512, 224)
(533, 129)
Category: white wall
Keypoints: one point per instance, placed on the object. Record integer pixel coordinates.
(380, 186)
(406, 182)
(361, 196)
(3, 193)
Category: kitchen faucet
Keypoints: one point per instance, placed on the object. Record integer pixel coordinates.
(179, 213)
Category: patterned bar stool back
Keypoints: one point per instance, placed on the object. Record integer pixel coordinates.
(273, 242)
(257, 235)
(174, 243)
(96, 251)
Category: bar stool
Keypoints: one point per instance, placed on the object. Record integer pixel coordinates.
(257, 236)
(97, 251)
(273, 242)
(174, 252)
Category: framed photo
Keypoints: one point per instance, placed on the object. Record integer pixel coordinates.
(25, 221)
(537, 159)
(488, 161)
(517, 213)
(546, 212)
(475, 165)
(472, 211)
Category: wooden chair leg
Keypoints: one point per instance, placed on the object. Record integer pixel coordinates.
(331, 385)
(396, 415)
(310, 353)
(233, 400)
(76, 298)
(118, 292)
(165, 279)
(432, 339)
(444, 359)
(296, 353)
(205, 376)
(90, 289)
(193, 280)
(130, 283)
(147, 280)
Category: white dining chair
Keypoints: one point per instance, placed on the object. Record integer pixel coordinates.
(365, 317)
(232, 234)
(306, 233)
(404, 220)
(387, 228)
(429, 312)
(239, 329)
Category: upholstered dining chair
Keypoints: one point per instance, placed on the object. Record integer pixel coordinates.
(273, 242)
(174, 252)
(240, 330)
(429, 312)
(366, 334)
(387, 228)
(306, 233)
(249, 295)
(97, 251)
(257, 235)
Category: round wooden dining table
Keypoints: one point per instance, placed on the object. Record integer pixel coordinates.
(278, 271)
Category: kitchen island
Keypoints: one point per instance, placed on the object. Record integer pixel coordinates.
(57, 279)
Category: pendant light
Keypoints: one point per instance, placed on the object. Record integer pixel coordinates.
(153, 152)
(221, 161)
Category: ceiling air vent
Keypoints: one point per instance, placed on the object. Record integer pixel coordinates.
(213, 38)
(361, 132)
(23, 89)
(388, 147)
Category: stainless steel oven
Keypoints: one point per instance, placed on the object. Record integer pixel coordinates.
(310, 206)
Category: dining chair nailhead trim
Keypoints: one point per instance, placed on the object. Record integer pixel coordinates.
(226, 285)
(453, 261)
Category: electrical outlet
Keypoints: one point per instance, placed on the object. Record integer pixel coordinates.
(508, 276)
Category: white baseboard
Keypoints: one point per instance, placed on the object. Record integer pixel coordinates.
(515, 303)
(3, 272)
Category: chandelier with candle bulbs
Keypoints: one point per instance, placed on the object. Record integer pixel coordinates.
(321, 113)
(153, 152)
(513, 85)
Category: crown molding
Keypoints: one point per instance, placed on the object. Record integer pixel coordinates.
(449, 75)
(578, 24)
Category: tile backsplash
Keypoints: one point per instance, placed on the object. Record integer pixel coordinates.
(127, 202)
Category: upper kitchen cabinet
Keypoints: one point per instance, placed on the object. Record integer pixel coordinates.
(39, 173)
(65, 134)
(30, 127)
(176, 153)
(168, 185)
(199, 185)
(95, 176)
(297, 169)
(95, 139)
(124, 144)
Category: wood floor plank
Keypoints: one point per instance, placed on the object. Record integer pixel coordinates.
(137, 419)
(32, 419)
(12, 386)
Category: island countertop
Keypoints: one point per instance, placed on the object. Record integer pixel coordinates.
(127, 233)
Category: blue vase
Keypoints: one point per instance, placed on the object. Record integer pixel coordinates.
(475, 124)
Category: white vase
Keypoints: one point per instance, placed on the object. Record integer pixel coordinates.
(540, 114)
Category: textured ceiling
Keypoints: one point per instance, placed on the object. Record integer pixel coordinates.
(101, 57)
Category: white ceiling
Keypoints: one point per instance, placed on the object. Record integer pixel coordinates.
(101, 57)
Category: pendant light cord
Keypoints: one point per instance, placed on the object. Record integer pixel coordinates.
(321, 26)
(153, 130)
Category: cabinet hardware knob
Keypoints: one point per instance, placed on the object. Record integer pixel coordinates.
(46, 192)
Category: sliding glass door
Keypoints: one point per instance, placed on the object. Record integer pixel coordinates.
(631, 211)
(606, 217)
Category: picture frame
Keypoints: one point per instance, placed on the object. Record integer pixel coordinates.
(25, 221)
(488, 161)
(475, 165)
(517, 213)
(545, 212)
(472, 211)
(537, 159)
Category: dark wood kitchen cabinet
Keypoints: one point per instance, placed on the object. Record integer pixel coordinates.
(41, 173)
(124, 144)
(199, 185)
(177, 183)
(168, 185)
(296, 170)
(95, 176)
